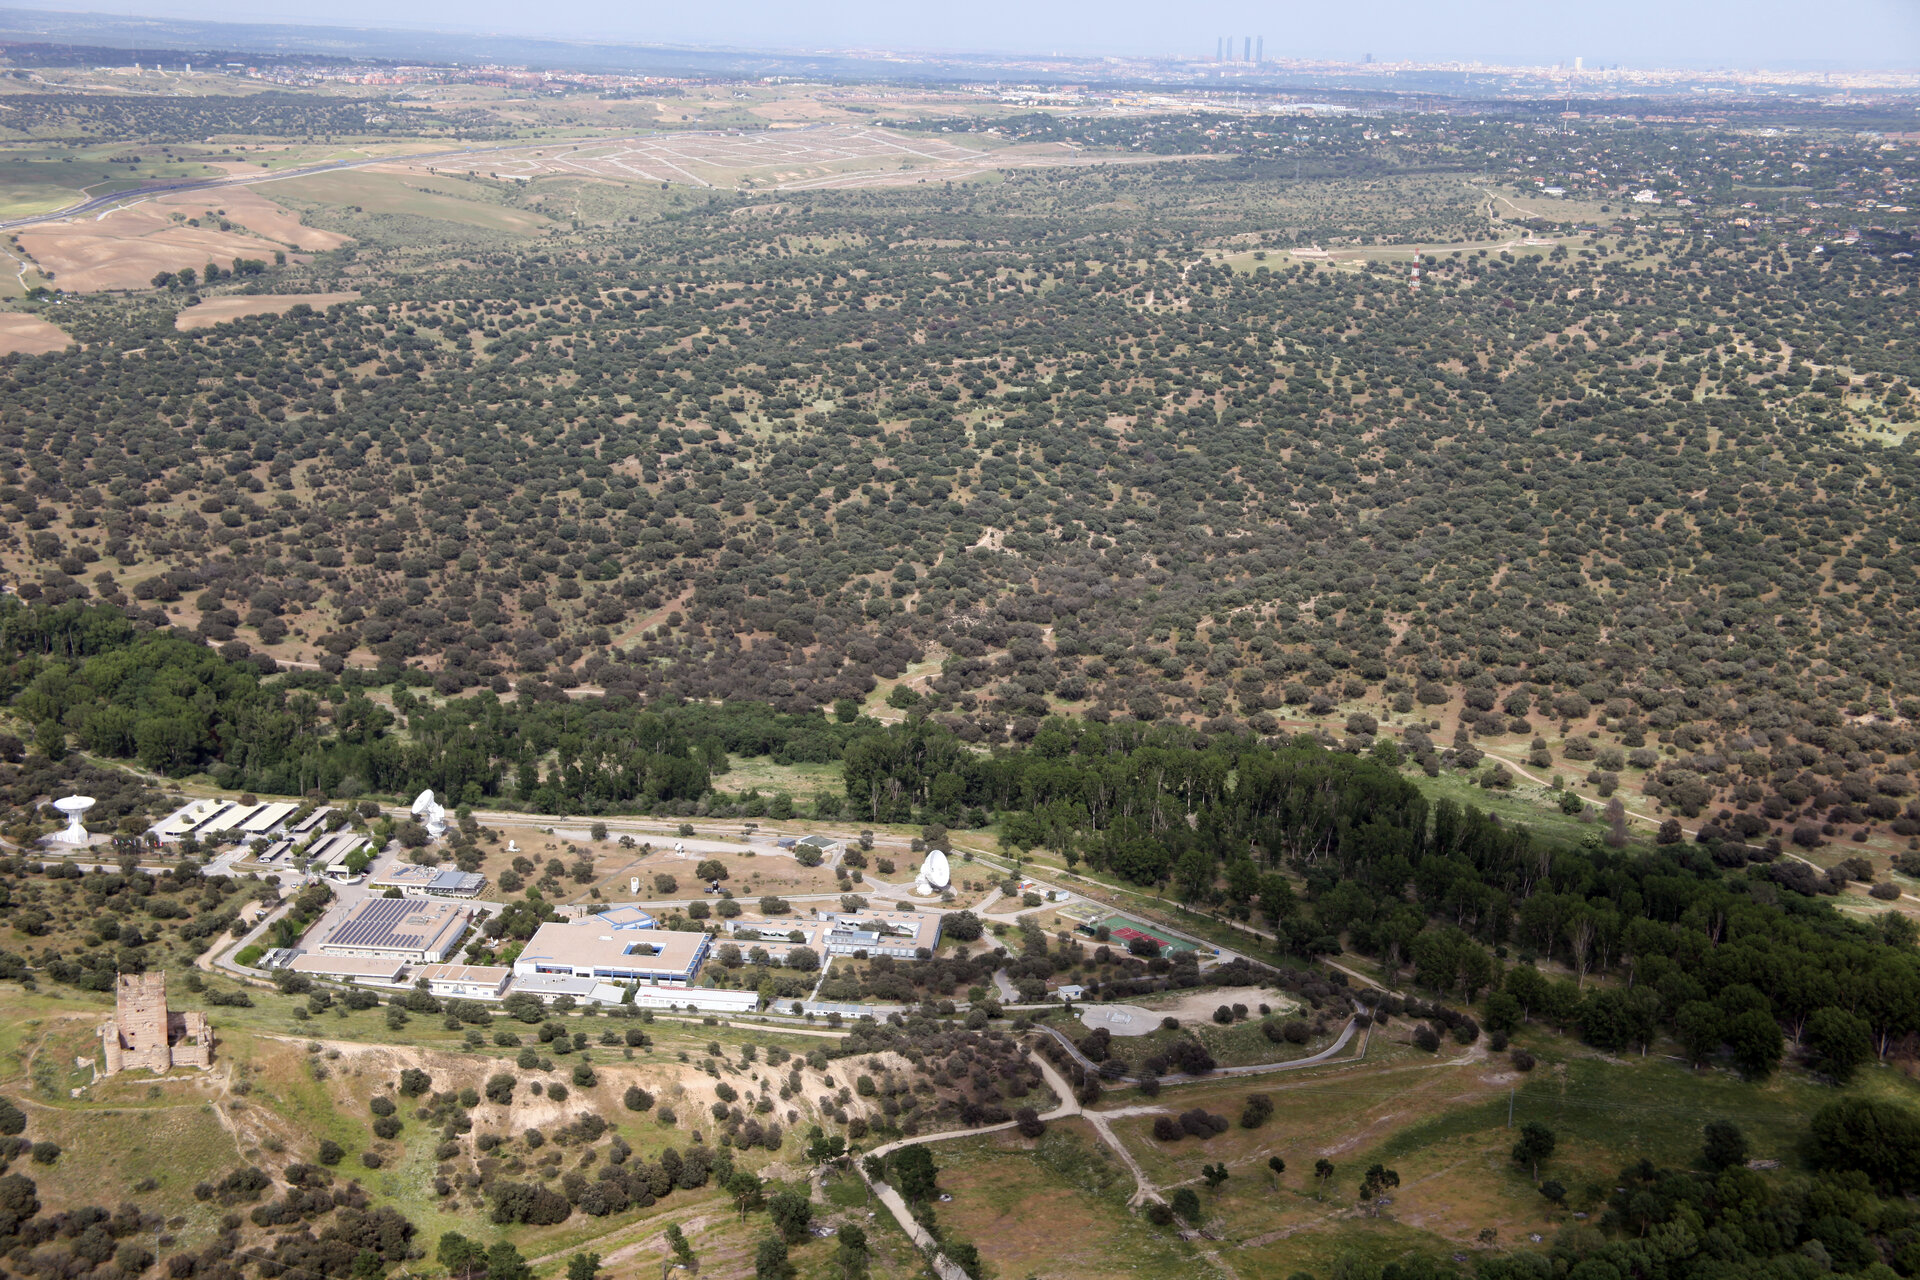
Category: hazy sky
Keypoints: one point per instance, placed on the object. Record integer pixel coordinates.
(1633, 32)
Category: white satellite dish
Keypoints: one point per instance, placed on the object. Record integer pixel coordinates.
(935, 875)
(75, 807)
(430, 813)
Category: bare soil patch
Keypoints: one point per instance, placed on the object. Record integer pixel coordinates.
(125, 248)
(214, 310)
(30, 335)
(1200, 1004)
(257, 214)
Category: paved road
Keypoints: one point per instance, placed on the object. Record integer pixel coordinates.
(147, 192)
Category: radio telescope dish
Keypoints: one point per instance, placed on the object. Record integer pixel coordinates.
(75, 807)
(935, 875)
(430, 813)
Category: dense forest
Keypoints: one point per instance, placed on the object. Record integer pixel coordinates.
(1633, 500)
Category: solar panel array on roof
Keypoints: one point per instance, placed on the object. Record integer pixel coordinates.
(394, 923)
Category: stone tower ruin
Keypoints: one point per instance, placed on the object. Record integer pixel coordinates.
(144, 1033)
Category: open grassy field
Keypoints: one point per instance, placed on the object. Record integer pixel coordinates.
(800, 780)
(1056, 1207)
(44, 179)
(358, 194)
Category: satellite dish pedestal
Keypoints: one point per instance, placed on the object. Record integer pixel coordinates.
(74, 807)
(431, 814)
(935, 876)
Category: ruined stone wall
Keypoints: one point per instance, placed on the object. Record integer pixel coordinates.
(144, 1033)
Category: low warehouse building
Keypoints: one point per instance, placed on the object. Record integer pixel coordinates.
(590, 949)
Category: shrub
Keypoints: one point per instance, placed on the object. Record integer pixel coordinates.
(330, 1152)
(1257, 1110)
(637, 1099)
(1203, 1124)
(371, 1159)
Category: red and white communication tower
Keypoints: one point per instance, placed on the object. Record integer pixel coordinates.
(1413, 282)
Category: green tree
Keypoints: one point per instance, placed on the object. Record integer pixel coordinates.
(505, 1263)
(1724, 1146)
(1837, 1043)
(852, 1257)
(746, 1189)
(1701, 1029)
(1879, 1138)
(770, 1260)
(1757, 1043)
(1187, 1204)
(677, 1241)
(583, 1266)
(462, 1258)
(1535, 1145)
(914, 1174)
(792, 1214)
(1378, 1181)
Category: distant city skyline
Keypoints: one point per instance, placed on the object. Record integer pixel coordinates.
(1642, 34)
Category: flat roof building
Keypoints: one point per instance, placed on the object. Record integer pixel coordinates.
(407, 929)
(777, 941)
(434, 882)
(590, 948)
(350, 968)
(467, 981)
(882, 933)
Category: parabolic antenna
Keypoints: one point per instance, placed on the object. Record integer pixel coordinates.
(430, 813)
(935, 876)
(74, 807)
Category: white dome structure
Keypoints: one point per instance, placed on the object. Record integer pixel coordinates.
(935, 875)
(75, 807)
(430, 813)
